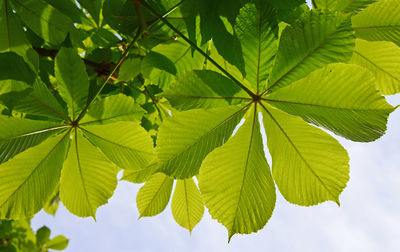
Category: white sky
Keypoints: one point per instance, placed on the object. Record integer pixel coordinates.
(368, 219)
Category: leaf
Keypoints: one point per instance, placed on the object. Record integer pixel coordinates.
(88, 178)
(130, 69)
(46, 21)
(308, 165)
(383, 60)
(257, 31)
(69, 9)
(140, 175)
(93, 7)
(321, 38)
(12, 37)
(204, 89)
(52, 203)
(13, 66)
(187, 206)
(17, 135)
(41, 102)
(42, 235)
(72, 80)
(153, 197)
(326, 4)
(186, 138)
(236, 183)
(126, 144)
(28, 179)
(353, 5)
(57, 243)
(353, 109)
(112, 109)
(169, 59)
(380, 21)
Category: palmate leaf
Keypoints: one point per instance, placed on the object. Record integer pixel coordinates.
(88, 178)
(308, 165)
(353, 110)
(26, 182)
(187, 205)
(72, 80)
(321, 38)
(186, 138)
(153, 197)
(383, 60)
(380, 21)
(236, 183)
(257, 31)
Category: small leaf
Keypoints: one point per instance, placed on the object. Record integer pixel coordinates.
(153, 197)
(72, 80)
(42, 235)
(57, 243)
(187, 206)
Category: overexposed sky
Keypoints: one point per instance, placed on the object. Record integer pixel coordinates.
(368, 219)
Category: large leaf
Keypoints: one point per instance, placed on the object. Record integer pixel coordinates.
(127, 144)
(382, 59)
(154, 196)
(41, 102)
(204, 89)
(380, 21)
(187, 206)
(236, 182)
(28, 179)
(308, 165)
(353, 109)
(186, 138)
(113, 108)
(321, 38)
(72, 80)
(257, 31)
(88, 178)
(46, 21)
(353, 5)
(325, 4)
(13, 67)
(93, 7)
(17, 135)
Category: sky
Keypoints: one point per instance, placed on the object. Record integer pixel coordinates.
(367, 220)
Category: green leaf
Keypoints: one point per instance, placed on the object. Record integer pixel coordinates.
(126, 144)
(204, 89)
(321, 38)
(72, 80)
(383, 60)
(41, 102)
(308, 165)
(42, 235)
(52, 203)
(187, 206)
(88, 178)
(12, 37)
(353, 109)
(169, 59)
(153, 197)
(46, 21)
(130, 69)
(28, 179)
(57, 243)
(326, 4)
(17, 135)
(353, 5)
(236, 182)
(186, 138)
(257, 31)
(112, 109)
(69, 9)
(93, 7)
(13, 66)
(380, 21)
(140, 175)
